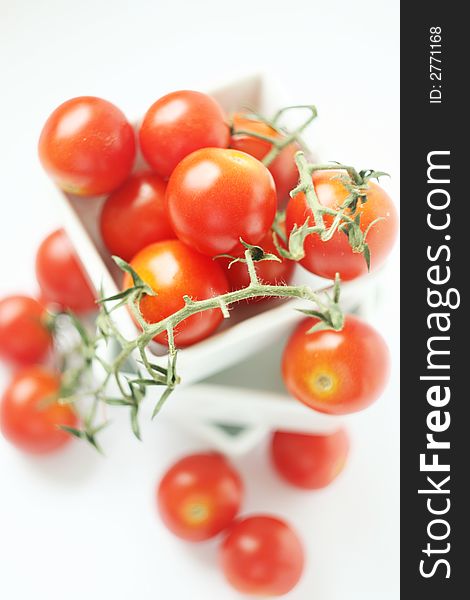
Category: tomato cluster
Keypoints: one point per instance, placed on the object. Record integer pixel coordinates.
(200, 497)
(183, 223)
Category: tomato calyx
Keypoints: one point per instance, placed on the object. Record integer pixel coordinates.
(345, 218)
(330, 318)
(256, 252)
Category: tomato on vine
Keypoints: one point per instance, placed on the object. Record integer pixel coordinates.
(283, 168)
(178, 124)
(30, 414)
(135, 216)
(309, 461)
(87, 146)
(336, 372)
(217, 196)
(326, 258)
(199, 496)
(61, 276)
(174, 270)
(262, 556)
(24, 336)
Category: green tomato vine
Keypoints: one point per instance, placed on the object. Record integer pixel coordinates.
(132, 371)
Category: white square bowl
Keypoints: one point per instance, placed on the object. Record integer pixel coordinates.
(247, 332)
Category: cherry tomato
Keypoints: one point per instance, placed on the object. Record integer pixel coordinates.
(269, 272)
(30, 414)
(336, 372)
(199, 496)
(135, 216)
(87, 146)
(262, 556)
(174, 270)
(309, 461)
(61, 276)
(327, 258)
(282, 168)
(178, 124)
(215, 196)
(24, 337)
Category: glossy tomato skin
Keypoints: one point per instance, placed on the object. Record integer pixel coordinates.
(336, 256)
(135, 216)
(269, 272)
(217, 196)
(174, 270)
(262, 556)
(60, 275)
(30, 413)
(87, 146)
(309, 461)
(199, 496)
(282, 168)
(336, 372)
(178, 124)
(24, 336)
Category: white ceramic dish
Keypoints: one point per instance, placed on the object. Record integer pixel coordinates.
(203, 407)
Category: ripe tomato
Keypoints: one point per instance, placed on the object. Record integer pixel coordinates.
(30, 414)
(336, 372)
(282, 168)
(60, 275)
(199, 496)
(178, 124)
(336, 256)
(174, 270)
(215, 196)
(24, 337)
(135, 216)
(309, 461)
(262, 556)
(87, 146)
(269, 272)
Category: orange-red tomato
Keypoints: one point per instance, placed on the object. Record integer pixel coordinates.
(336, 372)
(24, 337)
(30, 413)
(61, 276)
(309, 461)
(217, 196)
(282, 168)
(336, 256)
(174, 270)
(269, 272)
(199, 496)
(87, 146)
(262, 556)
(178, 124)
(135, 216)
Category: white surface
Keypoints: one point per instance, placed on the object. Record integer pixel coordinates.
(79, 526)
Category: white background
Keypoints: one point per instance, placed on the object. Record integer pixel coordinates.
(78, 525)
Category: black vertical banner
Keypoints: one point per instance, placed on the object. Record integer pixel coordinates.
(435, 330)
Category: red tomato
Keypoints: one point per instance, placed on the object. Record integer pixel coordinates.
(336, 256)
(135, 216)
(269, 272)
(61, 276)
(262, 556)
(336, 372)
(87, 146)
(30, 413)
(178, 124)
(173, 270)
(309, 461)
(283, 167)
(24, 337)
(199, 496)
(216, 196)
